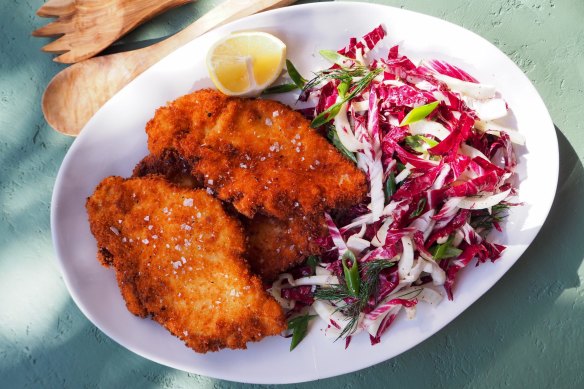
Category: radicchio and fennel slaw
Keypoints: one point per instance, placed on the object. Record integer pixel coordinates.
(439, 172)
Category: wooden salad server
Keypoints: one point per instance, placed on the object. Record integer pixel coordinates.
(76, 93)
(87, 27)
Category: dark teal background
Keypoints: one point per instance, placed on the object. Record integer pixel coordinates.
(525, 332)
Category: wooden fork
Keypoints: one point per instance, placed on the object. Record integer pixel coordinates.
(89, 26)
(77, 92)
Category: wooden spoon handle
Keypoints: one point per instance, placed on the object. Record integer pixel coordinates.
(76, 93)
(221, 14)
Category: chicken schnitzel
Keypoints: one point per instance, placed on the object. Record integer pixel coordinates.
(273, 245)
(259, 155)
(170, 165)
(178, 257)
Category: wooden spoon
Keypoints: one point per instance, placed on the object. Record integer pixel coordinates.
(89, 26)
(76, 93)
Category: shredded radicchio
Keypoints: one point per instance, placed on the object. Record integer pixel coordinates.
(438, 184)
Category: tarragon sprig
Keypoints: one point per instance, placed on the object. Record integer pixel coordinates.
(351, 304)
(332, 111)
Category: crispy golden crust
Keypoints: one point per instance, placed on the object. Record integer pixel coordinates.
(259, 155)
(178, 258)
(273, 245)
(170, 165)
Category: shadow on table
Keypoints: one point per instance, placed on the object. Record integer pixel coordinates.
(76, 354)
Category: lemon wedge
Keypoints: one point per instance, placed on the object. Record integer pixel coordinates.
(245, 63)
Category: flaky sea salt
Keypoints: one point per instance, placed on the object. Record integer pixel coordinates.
(235, 293)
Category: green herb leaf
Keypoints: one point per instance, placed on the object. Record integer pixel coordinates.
(335, 74)
(343, 87)
(363, 83)
(334, 57)
(417, 143)
(452, 252)
(352, 309)
(298, 81)
(369, 287)
(299, 328)
(352, 278)
(484, 219)
(390, 187)
(332, 111)
(332, 293)
(326, 115)
(279, 89)
(334, 138)
(295, 75)
(420, 208)
(431, 142)
(370, 281)
(445, 250)
(419, 113)
(313, 261)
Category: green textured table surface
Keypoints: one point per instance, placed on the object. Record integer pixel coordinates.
(526, 331)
